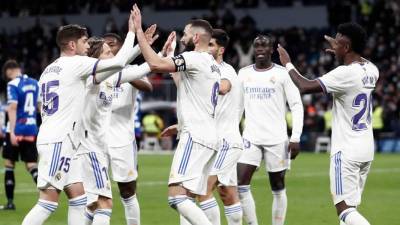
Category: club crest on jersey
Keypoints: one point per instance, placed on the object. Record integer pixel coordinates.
(58, 176)
(109, 85)
(273, 79)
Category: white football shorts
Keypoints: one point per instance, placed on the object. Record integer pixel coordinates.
(225, 164)
(347, 179)
(191, 165)
(123, 163)
(277, 157)
(58, 165)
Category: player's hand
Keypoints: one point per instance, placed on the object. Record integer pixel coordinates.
(332, 42)
(149, 34)
(170, 45)
(283, 55)
(170, 131)
(136, 18)
(13, 139)
(294, 149)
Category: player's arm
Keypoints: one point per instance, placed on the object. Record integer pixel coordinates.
(170, 131)
(103, 69)
(142, 85)
(304, 85)
(296, 107)
(156, 62)
(12, 101)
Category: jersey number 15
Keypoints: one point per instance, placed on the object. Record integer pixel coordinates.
(49, 97)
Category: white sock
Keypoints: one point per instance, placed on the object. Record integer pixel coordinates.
(40, 212)
(342, 223)
(189, 210)
(76, 210)
(183, 221)
(102, 217)
(211, 209)
(234, 214)
(279, 206)
(352, 217)
(132, 210)
(88, 217)
(248, 204)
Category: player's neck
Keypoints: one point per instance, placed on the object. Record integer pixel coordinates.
(67, 53)
(352, 58)
(201, 48)
(219, 59)
(263, 64)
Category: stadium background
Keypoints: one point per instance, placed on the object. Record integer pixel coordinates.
(27, 34)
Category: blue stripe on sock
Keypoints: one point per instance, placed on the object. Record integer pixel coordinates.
(208, 205)
(242, 189)
(47, 206)
(234, 209)
(103, 212)
(78, 202)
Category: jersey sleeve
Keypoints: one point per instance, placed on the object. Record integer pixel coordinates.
(132, 72)
(12, 94)
(229, 75)
(184, 62)
(337, 81)
(296, 107)
(87, 66)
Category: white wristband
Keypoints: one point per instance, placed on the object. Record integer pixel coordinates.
(289, 66)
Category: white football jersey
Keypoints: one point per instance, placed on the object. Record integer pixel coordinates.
(62, 86)
(351, 87)
(230, 108)
(266, 93)
(121, 131)
(98, 104)
(197, 96)
(96, 113)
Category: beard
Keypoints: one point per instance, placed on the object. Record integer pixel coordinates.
(189, 46)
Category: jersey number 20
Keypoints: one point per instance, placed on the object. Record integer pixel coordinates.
(49, 97)
(366, 107)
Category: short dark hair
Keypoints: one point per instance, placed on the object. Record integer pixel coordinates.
(221, 37)
(114, 35)
(70, 32)
(202, 24)
(265, 36)
(9, 64)
(356, 34)
(95, 46)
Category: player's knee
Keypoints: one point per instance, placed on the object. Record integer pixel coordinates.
(277, 185)
(104, 203)
(127, 190)
(9, 164)
(30, 166)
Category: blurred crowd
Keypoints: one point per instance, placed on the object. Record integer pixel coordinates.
(35, 48)
(16, 8)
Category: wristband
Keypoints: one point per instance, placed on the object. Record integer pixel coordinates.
(289, 66)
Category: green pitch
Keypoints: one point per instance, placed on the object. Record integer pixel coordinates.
(309, 201)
